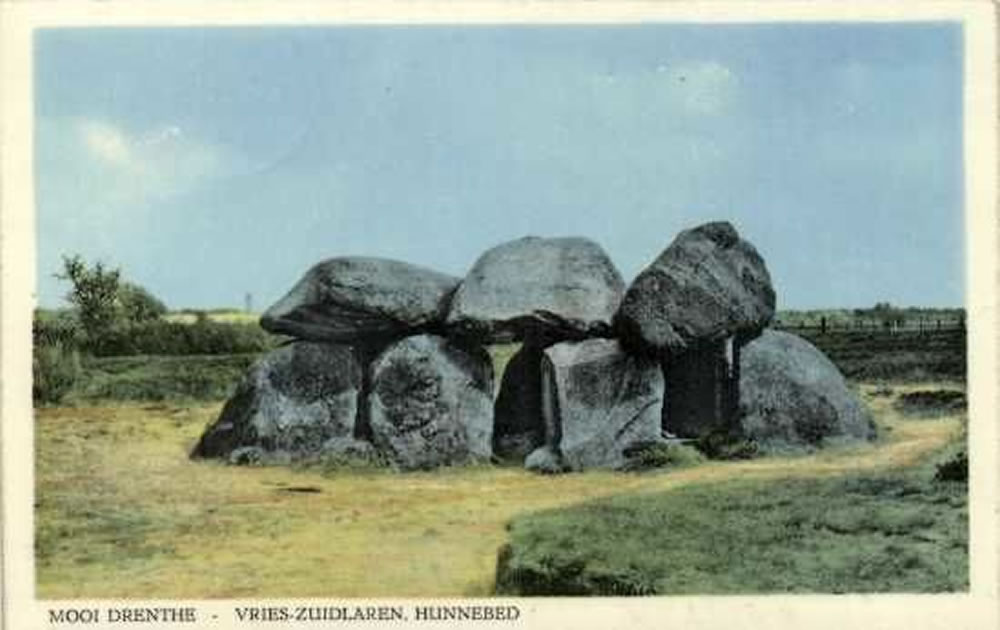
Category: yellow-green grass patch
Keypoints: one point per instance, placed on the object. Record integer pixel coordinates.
(122, 512)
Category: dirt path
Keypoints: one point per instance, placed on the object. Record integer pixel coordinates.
(123, 512)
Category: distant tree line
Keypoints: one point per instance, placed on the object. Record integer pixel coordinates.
(881, 316)
(109, 316)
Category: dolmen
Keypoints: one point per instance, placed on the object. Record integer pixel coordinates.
(693, 308)
(392, 360)
(539, 291)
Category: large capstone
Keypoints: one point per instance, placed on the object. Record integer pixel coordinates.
(564, 287)
(600, 404)
(709, 284)
(355, 299)
(431, 402)
(290, 402)
(792, 397)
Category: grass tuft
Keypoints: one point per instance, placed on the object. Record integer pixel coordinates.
(659, 456)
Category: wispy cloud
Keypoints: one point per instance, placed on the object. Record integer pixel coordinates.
(147, 165)
(104, 190)
(106, 143)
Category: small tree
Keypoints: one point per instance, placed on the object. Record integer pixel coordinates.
(103, 300)
(94, 294)
(138, 304)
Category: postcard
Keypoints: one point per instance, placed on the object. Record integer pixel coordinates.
(453, 315)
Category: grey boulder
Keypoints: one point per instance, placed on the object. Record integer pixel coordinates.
(544, 460)
(431, 402)
(290, 402)
(352, 298)
(599, 403)
(709, 284)
(564, 287)
(792, 397)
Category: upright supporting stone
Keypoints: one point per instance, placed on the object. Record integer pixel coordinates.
(792, 397)
(693, 307)
(289, 404)
(702, 389)
(431, 402)
(599, 403)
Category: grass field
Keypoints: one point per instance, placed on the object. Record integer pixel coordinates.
(222, 316)
(159, 378)
(900, 531)
(122, 512)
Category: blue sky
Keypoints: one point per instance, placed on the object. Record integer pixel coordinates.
(211, 163)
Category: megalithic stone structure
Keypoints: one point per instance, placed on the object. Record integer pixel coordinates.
(694, 307)
(792, 397)
(539, 291)
(289, 404)
(431, 402)
(599, 404)
(560, 288)
(364, 302)
(358, 299)
(388, 361)
(704, 387)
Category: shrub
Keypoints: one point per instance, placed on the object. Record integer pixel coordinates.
(727, 445)
(138, 304)
(172, 338)
(55, 369)
(161, 378)
(56, 327)
(104, 303)
(94, 293)
(955, 468)
(931, 403)
(663, 456)
(55, 364)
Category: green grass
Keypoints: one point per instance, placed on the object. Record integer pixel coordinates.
(122, 512)
(183, 378)
(221, 315)
(114, 533)
(160, 378)
(901, 532)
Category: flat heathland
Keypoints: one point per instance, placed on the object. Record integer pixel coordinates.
(900, 355)
(122, 512)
